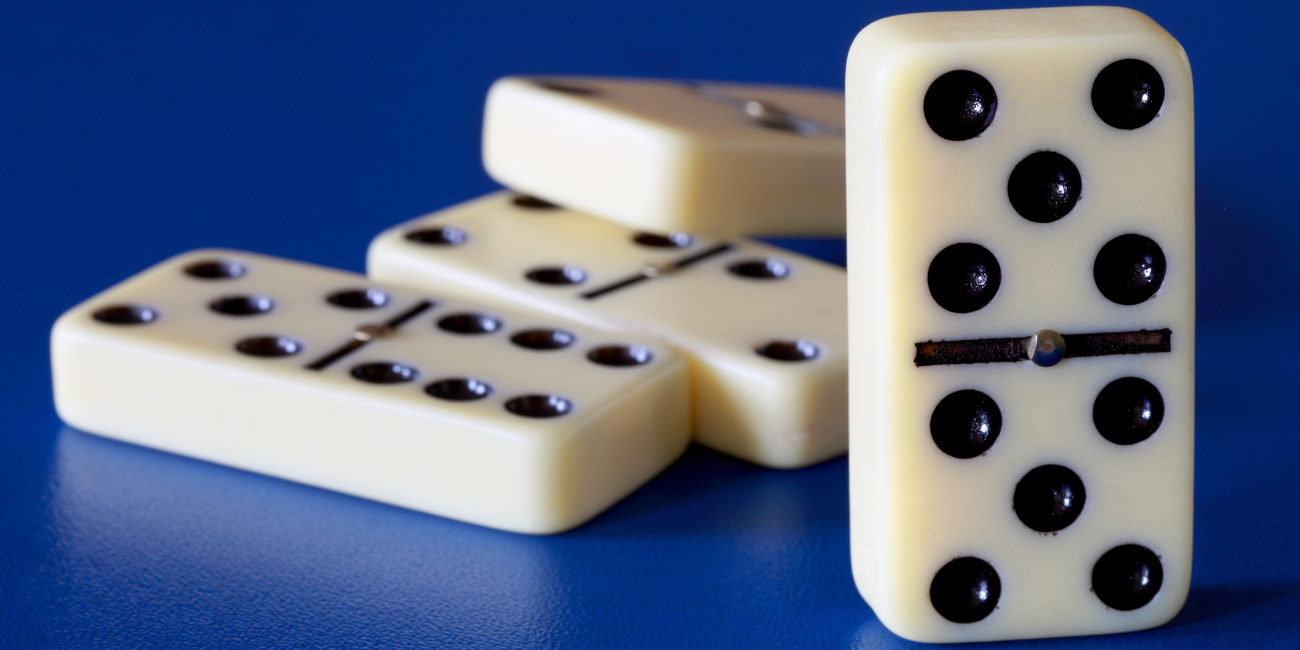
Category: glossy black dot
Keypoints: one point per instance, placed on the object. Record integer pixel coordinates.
(670, 240)
(469, 324)
(543, 339)
(786, 350)
(557, 275)
(1044, 186)
(569, 88)
(242, 305)
(1128, 411)
(215, 269)
(768, 269)
(960, 105)
(1049, 498)
(533, 203)
(126, 315)
(539, 406)
(620, 355)
(459, 389)
(966, 423)
(1128, 94)
(965, 590)
(1127, 577)
(384, 372)
(1129, 269)
(441, 236)
(358, 298)
(964, 278)
(269, 346)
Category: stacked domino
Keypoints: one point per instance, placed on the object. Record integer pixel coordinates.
(482, 411)
(671, 156)
(510, 363)
(628, 202)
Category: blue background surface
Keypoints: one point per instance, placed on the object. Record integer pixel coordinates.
(133, 132)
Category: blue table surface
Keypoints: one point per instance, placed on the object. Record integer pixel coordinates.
(135, 131)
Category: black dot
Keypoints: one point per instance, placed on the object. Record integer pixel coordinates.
(242, 305)
(1128, 94)
(384, 372)
(768, 269)
(1129, 269)
(358, 298)
(785, 350)
(1127, 577)
(1128, 411)
(965, 590)
(543, 339)
(960, 105)
(269, 346)
(670, 240)
(126, 315)
(215, 269)
(460, 389)
(568, 88)
(442, 236)
(966, 423)
(964, 278)
(533, 203)
(539, 406)
(557, 275)
(1044, 187)
(620, 355)
(470, 324)
(1049, 498)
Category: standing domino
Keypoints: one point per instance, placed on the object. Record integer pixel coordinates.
(764, 329)
(1021, 264)
(498, 416)
(712, 158)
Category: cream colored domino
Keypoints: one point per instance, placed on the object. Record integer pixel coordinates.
(326, 378)
(938, 158)
(786, 409)
(705, 157)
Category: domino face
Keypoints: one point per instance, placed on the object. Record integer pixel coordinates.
(499, 416)
(709, 158)
(764, 330)
(1020, 187)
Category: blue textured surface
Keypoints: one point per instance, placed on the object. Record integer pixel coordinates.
(130, 133)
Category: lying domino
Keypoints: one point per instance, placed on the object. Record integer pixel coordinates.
(662, 156)
(494, 415)
(1022, 287)
(764, 329)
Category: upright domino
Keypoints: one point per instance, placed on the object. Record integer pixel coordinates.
(700, 157)
(764, 329)
(1020, 194)
(496, 415)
